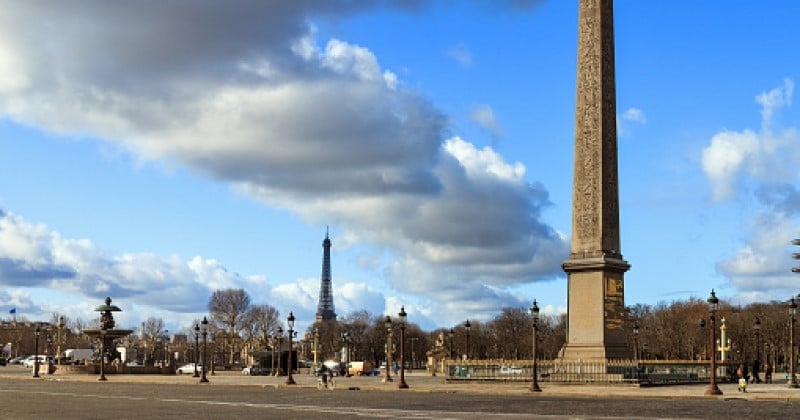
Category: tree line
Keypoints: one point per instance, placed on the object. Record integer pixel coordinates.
(239, 329)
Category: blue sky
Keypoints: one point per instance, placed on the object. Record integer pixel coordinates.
(157, 152)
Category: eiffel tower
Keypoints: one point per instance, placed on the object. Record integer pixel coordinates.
(325, 311)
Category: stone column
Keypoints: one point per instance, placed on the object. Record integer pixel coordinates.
(595, 268)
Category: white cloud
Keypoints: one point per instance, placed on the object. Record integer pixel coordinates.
(773, 100)
(764, 157)
(484, 116)
(762, 264)
(461, 54)
(634, 115)
(246, 95)
(759, 170)
(630, 117)
(726, 158)
(77, 267)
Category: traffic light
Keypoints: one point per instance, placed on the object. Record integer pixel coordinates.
(796, 255)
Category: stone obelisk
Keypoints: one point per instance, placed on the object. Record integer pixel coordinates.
(595, 268)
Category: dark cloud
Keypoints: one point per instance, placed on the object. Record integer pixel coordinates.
(243, 92)
(784, 198)
(24, 274)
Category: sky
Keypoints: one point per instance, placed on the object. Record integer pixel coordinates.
(157, 151)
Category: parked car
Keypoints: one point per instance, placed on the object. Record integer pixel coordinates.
(189, 368)
(30, 361)
(17, 360)
(253, 370)
(510, 370)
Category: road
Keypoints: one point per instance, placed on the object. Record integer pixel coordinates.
(23, 398)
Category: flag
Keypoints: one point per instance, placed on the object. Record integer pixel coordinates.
(13, 311)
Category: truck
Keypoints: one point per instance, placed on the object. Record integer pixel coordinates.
(359, 368)
(77, 356)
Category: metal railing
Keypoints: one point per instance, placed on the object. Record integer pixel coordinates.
(645, 372)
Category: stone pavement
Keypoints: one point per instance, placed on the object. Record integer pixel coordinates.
(423, 382)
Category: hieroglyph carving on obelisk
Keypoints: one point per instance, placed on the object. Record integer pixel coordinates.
(595, 268)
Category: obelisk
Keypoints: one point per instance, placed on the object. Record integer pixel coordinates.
(595, 268)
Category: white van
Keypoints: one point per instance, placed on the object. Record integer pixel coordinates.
(510, 370)
(30, 361)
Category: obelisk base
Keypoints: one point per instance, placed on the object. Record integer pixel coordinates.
(596, 309)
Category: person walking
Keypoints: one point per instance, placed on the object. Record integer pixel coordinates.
(767, 373)
(755, 379)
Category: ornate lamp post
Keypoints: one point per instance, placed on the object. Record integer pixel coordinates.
(346, 355)
(450, 335)
(280, 349)
(793, 312)
(413, 355)
(402, 315)
(535, 315)
(467, 328)
(59, 338)
(713, 306)
(204, 331)
(36, 348)
(757, 363)
(388, 325)
(102, 353)
(636, 341)
(48, 351)
(165, 338)
(316, 348)
(290, 322)
(196, 345)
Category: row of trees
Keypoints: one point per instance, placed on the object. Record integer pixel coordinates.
(238, 330)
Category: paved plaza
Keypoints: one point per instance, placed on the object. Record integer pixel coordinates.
(232, 395)
(420, 381)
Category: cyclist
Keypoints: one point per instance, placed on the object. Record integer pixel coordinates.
(325, 372)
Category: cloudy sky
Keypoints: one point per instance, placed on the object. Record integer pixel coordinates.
(157, 151)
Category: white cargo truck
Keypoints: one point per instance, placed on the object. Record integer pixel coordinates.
(77, 356)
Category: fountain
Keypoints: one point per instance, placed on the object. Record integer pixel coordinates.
(107, 333)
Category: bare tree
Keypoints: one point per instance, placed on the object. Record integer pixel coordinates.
(511, 332)
(152, 331)
(357, 325)
(259, 322)
(228, 307)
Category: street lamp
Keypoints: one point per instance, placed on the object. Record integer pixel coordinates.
(388, 324)
(316, 348)
(196, 345)
(467, 327)
(535, 315)
(793, 312)
(290, 321)
(346, 355)
(36, 352)
(164, 348)
(280, 350)
(102, 353)
(413, 355)
(60, 338)
(757, 364)
(402, 316)
(204, 331)
(713, 306)
(48, 351)
(636, 341)
(450, 335)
